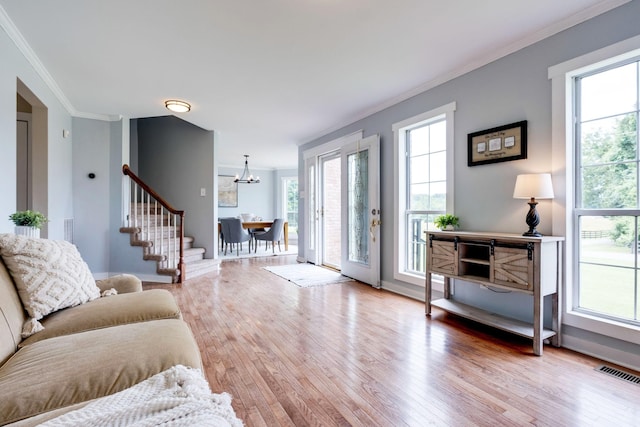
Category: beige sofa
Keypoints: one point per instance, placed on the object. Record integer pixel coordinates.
(87, 351)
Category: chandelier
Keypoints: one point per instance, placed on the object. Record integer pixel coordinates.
(247, 177)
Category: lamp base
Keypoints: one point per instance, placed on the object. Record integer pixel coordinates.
(533, 219)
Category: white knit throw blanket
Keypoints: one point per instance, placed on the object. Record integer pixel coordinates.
(179, 396)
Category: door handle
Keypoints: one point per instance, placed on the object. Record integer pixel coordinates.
(372, 227)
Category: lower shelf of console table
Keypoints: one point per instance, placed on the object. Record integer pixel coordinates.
(491, 319)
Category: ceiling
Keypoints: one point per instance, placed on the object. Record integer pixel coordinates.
(268, 75)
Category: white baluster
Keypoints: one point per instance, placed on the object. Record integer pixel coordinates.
(135, 205)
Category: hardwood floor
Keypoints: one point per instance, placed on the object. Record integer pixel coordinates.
(350, 355)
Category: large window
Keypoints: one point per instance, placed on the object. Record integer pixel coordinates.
(424, 171)
(607, 206)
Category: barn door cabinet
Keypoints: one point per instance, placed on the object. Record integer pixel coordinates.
(508, 262)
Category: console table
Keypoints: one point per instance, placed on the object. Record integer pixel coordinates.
(511, 262)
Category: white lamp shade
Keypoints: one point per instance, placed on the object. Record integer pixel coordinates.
(536, 185)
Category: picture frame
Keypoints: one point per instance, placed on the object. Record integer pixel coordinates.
(499, 144)
(227, 191)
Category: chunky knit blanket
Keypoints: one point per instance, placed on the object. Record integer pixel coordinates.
(179, 396)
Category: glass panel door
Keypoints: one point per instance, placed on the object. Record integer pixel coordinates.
(361, 210)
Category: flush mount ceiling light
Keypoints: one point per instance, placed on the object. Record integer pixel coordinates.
(177, 106)
(246, 177)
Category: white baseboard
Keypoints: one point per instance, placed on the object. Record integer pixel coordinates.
(410, 291)
(144, 277)
(619, 357)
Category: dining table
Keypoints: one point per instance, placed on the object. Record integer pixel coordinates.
(263, 224)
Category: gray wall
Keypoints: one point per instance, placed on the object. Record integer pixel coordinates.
(91, 205)
(102, 147)
(175, 158)
(58, 203)
(511, 89)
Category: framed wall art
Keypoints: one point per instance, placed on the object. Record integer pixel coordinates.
(499, 144)
(227, 191)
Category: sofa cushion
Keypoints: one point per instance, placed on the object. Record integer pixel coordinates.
(65, 370)
(49, 274)
(122, 283)
(12, 315)
(120, 309)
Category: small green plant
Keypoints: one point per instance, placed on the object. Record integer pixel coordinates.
(28, 218)
(443, 221)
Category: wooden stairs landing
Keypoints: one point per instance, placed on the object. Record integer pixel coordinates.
(195, 262)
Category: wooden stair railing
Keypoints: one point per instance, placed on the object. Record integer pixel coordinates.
(158, 227)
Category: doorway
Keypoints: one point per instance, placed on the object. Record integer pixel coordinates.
(330, 210)
(342, 207)
(32, 153)
(24, 150)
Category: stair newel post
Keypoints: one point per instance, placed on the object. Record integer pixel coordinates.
(181, 265)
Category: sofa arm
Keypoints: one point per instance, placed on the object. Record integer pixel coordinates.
(123, 283)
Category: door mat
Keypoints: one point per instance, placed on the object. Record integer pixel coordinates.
(307, 275)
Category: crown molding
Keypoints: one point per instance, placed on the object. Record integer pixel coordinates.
(101, 117)
(575, 19)
(14, 34)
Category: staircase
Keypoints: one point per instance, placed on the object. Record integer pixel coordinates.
(159, 229)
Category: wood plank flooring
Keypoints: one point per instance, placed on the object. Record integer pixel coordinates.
(349, 355)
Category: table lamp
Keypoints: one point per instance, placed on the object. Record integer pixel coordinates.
(532, 186)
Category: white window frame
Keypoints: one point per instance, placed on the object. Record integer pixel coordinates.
(563, 114)
(400, 183)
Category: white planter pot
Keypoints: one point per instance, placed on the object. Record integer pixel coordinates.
(24, 230)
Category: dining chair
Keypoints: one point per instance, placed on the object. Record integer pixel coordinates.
(234, 233)
(221, 234)
(273, 235)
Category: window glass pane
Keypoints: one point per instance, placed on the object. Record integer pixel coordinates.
(609, 186)
(438, 136)
(609, 93)
(419, 197)
(417, 224)
(607, 240)
(608, 267)
(419, 141)
(609, 140)
(419, 169)
(607, 290)
(438, 166)
(438, 196)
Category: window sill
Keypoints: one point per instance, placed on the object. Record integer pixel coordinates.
(606, 327)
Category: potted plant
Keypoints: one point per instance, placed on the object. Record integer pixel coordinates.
(28, 223)
(447, 222)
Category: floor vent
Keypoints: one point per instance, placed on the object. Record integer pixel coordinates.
(619, 374)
